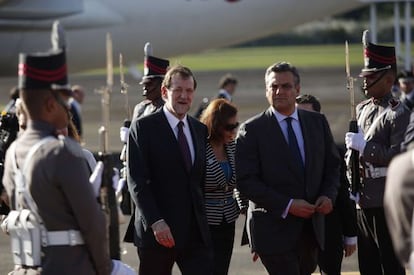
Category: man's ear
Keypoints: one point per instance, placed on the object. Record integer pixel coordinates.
(50, 104)
(164, 91)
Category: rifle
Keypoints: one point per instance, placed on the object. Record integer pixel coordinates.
(126, 204)
(353, 163)
(107, 193)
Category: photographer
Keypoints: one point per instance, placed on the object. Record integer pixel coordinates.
(9, 127)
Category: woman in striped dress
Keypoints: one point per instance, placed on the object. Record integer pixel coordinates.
(221, 207)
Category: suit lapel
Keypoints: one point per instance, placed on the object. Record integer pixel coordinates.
(197, 143)
(305, 125)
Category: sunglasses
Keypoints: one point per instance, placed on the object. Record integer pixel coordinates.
(231, 127)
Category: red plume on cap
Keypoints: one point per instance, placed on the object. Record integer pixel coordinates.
(153, 66)
(376, 57)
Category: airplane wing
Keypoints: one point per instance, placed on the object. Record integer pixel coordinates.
(38, 9)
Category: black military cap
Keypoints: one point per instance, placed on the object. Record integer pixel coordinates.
(378, 58)
(153, 66)
(45, 70)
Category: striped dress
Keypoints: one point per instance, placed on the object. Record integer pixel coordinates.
(221, 205)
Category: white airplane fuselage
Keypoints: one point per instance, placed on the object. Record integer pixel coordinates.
(172, 26)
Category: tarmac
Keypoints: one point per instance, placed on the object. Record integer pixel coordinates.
(327, 84)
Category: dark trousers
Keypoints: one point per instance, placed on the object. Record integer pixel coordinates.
(330, 258)
(160, 260)
(375, 251)
(223, 238)
(300, 261)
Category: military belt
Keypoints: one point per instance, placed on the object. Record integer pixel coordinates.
(375, 173)
(64, 237)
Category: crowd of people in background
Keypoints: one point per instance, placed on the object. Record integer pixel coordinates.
(189, 178)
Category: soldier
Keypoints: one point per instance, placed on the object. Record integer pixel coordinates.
(382, 120)
(74, 234)
(154, 71)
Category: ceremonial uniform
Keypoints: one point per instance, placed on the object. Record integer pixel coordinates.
(48, 176)
(382, 121)
(64, 199)
(147, 107)
(390, 118)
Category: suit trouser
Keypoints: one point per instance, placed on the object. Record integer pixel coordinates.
(375, 251)
(330, 259)
(160, 260)
(223, 238)
(302, 260)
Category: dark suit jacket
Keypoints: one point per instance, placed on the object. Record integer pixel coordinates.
(159, 183)
(269, 178)
(399, 204)
(76, 118)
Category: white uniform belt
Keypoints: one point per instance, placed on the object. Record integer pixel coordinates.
(64, 237)
(375, 173)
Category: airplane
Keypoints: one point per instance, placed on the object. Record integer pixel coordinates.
(172, 26)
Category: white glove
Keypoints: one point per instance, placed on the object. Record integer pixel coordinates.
(123, 134)
(355, 141)
(96, 178)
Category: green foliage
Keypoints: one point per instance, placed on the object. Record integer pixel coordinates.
(231, 59)
(322, 56)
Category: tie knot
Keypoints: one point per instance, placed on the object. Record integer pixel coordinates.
(180, 124)
(289, 119)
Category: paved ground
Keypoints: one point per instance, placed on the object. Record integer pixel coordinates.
(327, 85)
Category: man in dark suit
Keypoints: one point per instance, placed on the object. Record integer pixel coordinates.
(227, 85)
(399, 204)
(78, 95)
(341, 223)
(166, 166)
(288, 167)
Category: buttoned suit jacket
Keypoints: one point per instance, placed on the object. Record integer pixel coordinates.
(269, 178)
(159, 183)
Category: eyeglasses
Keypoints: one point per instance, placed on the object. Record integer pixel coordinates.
(231, 127)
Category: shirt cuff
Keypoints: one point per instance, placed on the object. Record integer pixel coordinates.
(155, 223)
(350, 240)
(286, 212)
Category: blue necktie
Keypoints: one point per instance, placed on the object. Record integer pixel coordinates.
(293, 143)
(185, 149)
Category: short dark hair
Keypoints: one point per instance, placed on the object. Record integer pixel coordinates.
(309, 99)
(184, 72)
(283, 67)
(226, 80)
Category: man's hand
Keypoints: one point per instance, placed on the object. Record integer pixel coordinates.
(323, 205)
(255, 256)
(349, 249)
(301, 208)
(4, 198)
(163, 234)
